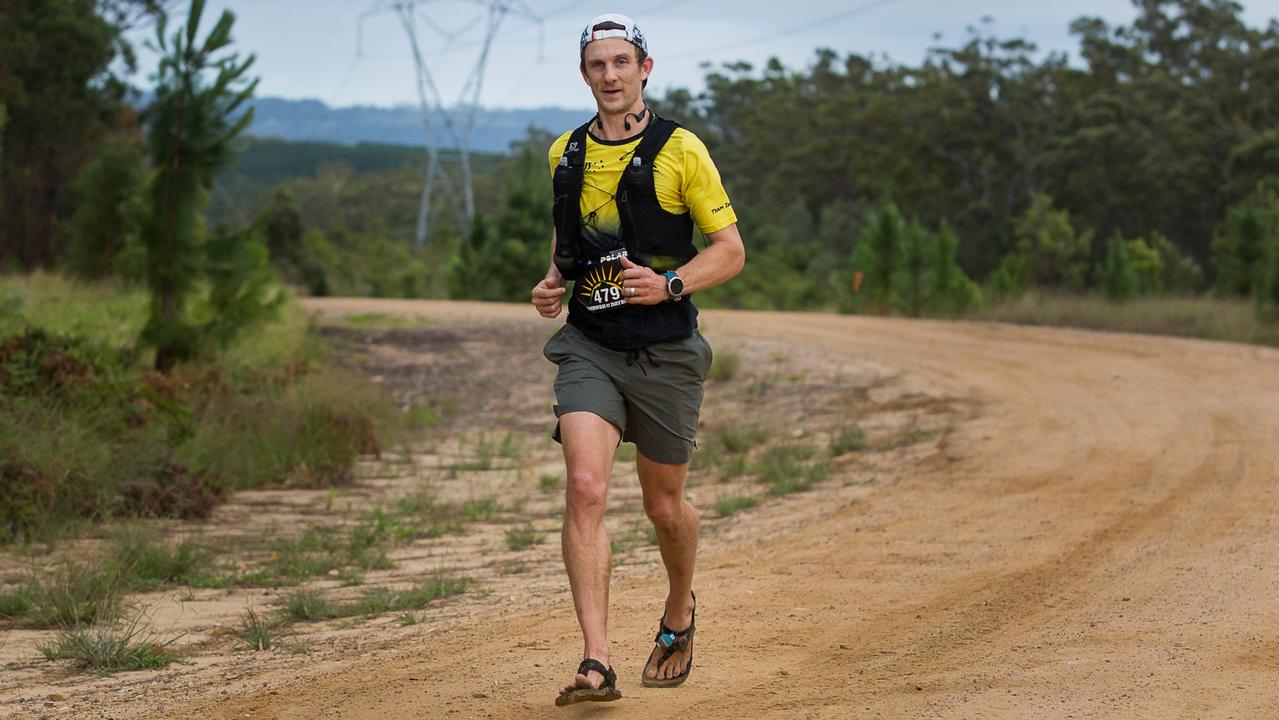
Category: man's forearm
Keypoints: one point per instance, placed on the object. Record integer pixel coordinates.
(723, 259)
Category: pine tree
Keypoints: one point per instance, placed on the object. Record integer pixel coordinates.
(1118, 281)
(192, 124)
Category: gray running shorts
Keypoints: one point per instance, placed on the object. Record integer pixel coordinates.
(652, 395)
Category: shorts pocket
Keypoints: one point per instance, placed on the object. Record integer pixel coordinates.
(553, 350)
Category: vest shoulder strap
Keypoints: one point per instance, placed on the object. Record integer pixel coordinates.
(655, 136)
(574, 155)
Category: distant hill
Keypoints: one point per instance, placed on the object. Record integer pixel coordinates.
(314, 121)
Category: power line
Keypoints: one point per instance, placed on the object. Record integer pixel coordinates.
(793, 30)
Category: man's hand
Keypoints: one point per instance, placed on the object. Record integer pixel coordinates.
(547, 294)
(642, 286)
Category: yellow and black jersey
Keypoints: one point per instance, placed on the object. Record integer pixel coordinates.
(684, 177)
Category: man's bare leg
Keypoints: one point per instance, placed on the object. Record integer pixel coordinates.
(676, 523)
(589, 443)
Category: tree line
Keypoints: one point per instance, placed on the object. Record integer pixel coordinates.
(1148, 165)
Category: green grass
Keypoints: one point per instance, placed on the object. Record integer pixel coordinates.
(308, 604)
(910, 436)
(1206, 317)
(71, 594)
(146, 561)
(626, 452)
(848, 439)
(87, 432)
(740, 438)
(640, 533)
(734, 466)
(484, 508)
(727, 504)
(258, 630)
(522, 536)
(724, 365)
(108, 312)
(790, 468)
(109, 647)
(550, 481)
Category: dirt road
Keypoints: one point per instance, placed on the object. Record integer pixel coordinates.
(1097, 542)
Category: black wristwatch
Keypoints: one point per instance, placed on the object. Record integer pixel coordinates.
(674, 285)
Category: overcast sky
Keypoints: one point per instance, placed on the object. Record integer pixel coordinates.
(347, 52)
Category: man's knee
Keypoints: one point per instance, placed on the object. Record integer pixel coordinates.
(586, 492)
(663, 508)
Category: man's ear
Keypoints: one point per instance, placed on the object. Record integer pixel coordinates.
(648, 67)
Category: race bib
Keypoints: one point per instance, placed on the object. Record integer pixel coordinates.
(599, 287)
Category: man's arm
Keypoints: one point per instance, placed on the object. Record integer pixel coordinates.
(719, 262)
(547, 293)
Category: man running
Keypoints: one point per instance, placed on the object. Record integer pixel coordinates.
(629, 188)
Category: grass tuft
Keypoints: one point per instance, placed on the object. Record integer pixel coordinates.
(109, 647)
(147, 561)
(789, 468)
(72, 595)
(848, 439)
(257, 630)
(727, 504)
(724, 365)
(308, 604)
(522, 536)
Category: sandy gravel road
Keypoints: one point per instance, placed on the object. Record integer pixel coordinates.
(1098, 542)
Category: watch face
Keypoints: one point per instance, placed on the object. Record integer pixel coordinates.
(675, 285)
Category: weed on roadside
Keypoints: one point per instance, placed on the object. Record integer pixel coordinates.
(107, 647)
(848, 439)
(549, 482)
(257, 630)
(71, 595)
(146, 560)
(484, 508)
(724, 365)
(727, 504)
(640, 533)
(740, 438)
(522, 536)
(733, 467)
(912, 435)
(308, 604)
(789, 468)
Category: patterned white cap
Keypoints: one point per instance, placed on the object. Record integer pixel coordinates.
(616, 26)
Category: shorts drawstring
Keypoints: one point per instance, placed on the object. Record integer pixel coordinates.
(633, 359)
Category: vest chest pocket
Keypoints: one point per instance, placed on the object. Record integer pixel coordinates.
(599, 286)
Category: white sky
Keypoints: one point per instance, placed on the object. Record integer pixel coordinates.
(313, 49)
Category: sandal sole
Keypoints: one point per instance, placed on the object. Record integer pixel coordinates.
(588, 695)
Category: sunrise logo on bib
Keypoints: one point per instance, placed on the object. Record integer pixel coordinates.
(600, 287)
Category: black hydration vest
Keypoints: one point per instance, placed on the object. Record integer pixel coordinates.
(651, 236)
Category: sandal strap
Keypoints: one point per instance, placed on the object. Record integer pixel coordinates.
(589, 664)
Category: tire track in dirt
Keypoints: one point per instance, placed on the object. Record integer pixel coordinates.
(1100, 545)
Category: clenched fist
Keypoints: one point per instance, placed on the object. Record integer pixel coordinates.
(547, 294)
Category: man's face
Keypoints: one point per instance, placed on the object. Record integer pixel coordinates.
(615, 76)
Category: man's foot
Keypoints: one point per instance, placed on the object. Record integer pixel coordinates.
(594, 682)
(672, 658)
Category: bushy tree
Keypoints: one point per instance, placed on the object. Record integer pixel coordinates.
(55, 80)
(950, 290)
(1052, 254)
(1117, 279)
(110, 208)
(878, 255)
(1241, 251)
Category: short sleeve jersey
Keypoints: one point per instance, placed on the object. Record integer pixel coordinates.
(684, 177)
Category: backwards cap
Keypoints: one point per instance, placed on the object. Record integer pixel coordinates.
(616, 26)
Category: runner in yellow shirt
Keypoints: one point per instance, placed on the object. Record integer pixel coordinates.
(629, 189)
